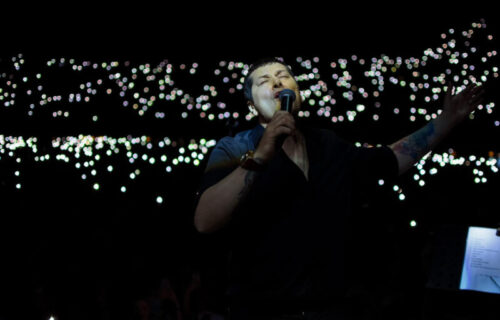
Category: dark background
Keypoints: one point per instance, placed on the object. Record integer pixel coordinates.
(75, 253)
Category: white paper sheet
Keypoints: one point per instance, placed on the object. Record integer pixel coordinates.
(481, 268)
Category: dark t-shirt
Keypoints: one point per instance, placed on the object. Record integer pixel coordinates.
(288, 238)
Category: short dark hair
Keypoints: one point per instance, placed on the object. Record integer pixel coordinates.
(247, 86)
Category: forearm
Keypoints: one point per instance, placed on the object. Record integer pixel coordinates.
(217, 203)
(414, 146)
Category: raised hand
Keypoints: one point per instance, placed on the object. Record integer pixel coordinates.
(458, 106)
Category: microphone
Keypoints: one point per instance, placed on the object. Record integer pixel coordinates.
(287, 97)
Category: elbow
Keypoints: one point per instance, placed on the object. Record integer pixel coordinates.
(200, 224)
(199, 220)
(200, 228)
(203, 229)
(402, 162)
(209, 217)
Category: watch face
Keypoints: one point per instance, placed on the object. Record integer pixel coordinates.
(249, 163)
(247, 155)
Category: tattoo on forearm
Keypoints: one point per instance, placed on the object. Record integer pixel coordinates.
(416, 144)
(249, 178)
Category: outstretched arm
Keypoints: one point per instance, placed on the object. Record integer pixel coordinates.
(456, 108)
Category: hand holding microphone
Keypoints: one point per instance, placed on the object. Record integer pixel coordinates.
(278, 129)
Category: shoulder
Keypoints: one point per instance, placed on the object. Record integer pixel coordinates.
(228, 150)
(234, 146)
(225, 149)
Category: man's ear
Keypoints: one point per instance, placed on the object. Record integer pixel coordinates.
(252, 108)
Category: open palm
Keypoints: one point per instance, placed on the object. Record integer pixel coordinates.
(458, 106)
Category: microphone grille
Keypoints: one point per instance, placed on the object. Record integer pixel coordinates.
(287, 93)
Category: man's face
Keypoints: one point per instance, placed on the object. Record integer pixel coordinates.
(268, 81)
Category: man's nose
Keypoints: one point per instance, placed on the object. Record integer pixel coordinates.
(277, 82)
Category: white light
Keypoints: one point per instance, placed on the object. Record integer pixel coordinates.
(110, 168)
(96, 186)
(123, 189)
(401, 196)
(381, 182)
(413, 223)
(159, 200)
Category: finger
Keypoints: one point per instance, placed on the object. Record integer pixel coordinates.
(466, 92)
(280, 115)
(283, 130)
(449, 90)
(477, 89)
(288, 124)
(477, 92)
(471, 88)
(276, 121)
(477, 100)
(449, 93)
(284, 121)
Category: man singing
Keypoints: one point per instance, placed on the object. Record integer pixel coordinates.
(281, 195)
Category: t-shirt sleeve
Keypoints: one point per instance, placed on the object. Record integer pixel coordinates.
(223, 160)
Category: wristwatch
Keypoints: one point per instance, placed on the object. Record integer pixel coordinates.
(250, 163)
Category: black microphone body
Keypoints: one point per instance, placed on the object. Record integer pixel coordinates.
(287, 97)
